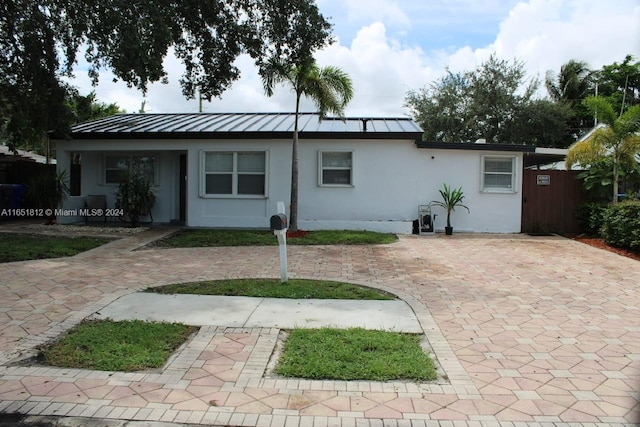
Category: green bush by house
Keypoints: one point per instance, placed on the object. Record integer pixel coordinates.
(621, 226)
(591, 217)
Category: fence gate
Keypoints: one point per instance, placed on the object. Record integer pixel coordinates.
(549, 201)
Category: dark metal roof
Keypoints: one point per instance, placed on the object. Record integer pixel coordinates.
(477, 146)
(243, 125)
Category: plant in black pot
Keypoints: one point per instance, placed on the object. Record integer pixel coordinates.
(451, 199)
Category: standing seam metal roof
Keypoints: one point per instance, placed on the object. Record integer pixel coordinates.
(199, 125)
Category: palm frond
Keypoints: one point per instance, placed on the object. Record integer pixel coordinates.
(629, 122)
(601, 109)
(590, 150)
(273, 73)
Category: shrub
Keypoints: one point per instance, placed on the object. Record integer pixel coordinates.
(136, 198)
(591, 217)
(622, 225)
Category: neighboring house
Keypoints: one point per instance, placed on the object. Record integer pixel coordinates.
(230, 170)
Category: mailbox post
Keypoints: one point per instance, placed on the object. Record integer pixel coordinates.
(278, 225)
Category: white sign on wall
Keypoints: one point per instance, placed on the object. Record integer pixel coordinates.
(544, 179)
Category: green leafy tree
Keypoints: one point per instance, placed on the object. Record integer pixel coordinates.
(443, 109)
(619, 83)
(329, 88)
(41, 40)
(542, 123)
(618, 139)
(493, 102)
(86, 107)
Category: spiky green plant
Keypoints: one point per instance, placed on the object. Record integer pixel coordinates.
(451, 199)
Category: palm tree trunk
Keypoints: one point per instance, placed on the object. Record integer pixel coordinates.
(293, 208)
(616, 174)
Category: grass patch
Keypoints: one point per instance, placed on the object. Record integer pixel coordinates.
(272, 288)
(189, 238)
(354, 354)
(24, 247)
(106, 345)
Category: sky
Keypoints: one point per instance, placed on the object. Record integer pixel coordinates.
(390, 47)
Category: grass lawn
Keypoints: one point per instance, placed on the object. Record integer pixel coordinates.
(188, 238)
(24, 247)
(354, 354)
(272, 288)
(106, 345)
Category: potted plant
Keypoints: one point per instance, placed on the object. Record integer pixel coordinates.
(451, 199)
(136, 198)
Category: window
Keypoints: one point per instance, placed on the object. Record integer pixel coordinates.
(335, 168)
(498, 174)
(234, 173)
(116, 166)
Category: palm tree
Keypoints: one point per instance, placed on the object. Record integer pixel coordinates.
(618, 139)
(330, 88)
(572, 84)
(570, 87)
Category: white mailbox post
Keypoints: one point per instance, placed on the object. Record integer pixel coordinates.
(279, 228)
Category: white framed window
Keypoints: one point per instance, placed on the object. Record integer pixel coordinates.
(116, 166)
(335, 168)
(234, 173)
(499, 174)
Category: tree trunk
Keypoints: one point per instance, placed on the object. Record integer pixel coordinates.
(615, 179)
(293, 208)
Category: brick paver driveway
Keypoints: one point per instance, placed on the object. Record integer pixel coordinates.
(535, 330)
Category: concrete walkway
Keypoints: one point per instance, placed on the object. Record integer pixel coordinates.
(528, 331)
(247, 312)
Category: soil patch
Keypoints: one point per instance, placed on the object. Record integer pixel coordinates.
(601, 244)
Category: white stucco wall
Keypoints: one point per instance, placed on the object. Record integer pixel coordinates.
(390, 180)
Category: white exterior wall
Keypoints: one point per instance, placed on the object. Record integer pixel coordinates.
(390, 180)
(252, 212)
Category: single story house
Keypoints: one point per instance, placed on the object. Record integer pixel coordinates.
(230, 170)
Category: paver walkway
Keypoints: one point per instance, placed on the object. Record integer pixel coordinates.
(526, 329)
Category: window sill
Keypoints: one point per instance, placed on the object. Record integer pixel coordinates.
(233, 196)
(336, 185)
(498, 191)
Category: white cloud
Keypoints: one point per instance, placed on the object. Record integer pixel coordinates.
(384, 64)
(382, 70)
(547, 33)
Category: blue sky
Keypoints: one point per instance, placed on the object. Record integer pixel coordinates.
(432, 25)
(389, 47)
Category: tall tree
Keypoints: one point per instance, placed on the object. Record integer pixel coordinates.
(493, 102)
(618, 140)
(40, 41)
(570, 87)
(542, 123)
(619, 83)
(87, 107)
(329, 88)
(572, 84)
(443, 109)
(499, 90)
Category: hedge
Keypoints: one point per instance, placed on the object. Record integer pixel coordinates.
(621, 226)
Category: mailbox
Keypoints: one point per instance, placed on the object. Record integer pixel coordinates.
(278, 222)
